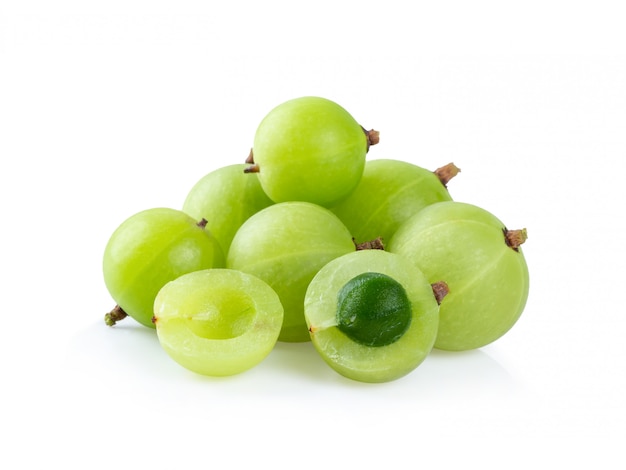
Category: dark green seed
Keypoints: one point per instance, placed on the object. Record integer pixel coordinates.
(373, 309)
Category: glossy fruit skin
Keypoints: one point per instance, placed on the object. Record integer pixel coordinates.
(389, 192)
(309, 149)
(285, 245)
(151, 248)
(488, 280)
(217, 322)
(358, 361)
(226, 198)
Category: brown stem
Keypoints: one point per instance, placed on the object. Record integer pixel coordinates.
(447, 172)
(376, 244)
(202, 223)
(250, 159)
(115, 315)
(373, 137)
(515, 238)
(254, 168)
(440, 289)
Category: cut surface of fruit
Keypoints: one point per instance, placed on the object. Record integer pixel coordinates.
(217, 322)
(404, 347)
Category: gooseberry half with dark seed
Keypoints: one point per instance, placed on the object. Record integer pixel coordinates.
(372, 315)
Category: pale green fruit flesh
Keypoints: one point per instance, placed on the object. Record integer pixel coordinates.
(225, 198)
(389, 192)
(150, 249)
(217, 322)
(309, 149)
(488, 280)
(285, 245)
(358, 361)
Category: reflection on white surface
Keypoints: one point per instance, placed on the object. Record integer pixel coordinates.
(474, 369)
(131, 353)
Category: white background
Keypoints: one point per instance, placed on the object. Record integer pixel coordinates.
(108, 108)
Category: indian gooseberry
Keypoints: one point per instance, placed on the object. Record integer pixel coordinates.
(390, 192)
(285, 244)
(372, 315)
(482, 262)
(309, 149)
(225, 198)
(149, 249)
(217, 322)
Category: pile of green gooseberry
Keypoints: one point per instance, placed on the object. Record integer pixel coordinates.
(371, 260)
